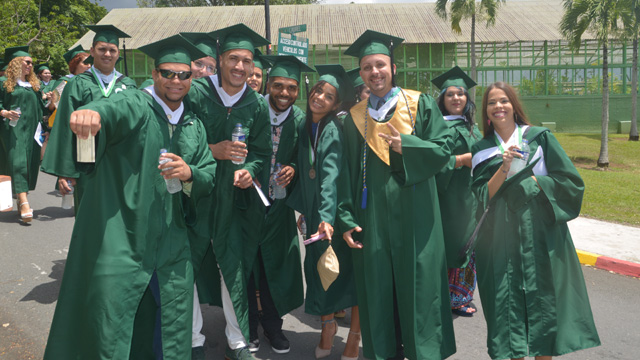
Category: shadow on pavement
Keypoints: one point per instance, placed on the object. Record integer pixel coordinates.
(48, 293)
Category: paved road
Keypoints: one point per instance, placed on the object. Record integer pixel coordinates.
(32, 261)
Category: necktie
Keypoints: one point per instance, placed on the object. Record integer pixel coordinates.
(380, 103)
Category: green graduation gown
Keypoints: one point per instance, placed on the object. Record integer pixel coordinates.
(275, 229)
(317, 200)
(534, 297)
(21, 152)
(229, 223)
(128, 228)
(457, 202)
(403, 248)
(59, 159)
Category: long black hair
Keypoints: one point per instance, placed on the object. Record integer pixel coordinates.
(469, 110)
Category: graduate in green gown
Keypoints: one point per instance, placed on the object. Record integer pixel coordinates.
(273, 252)
(389, 206)
(44, 74)
(534, 297)
(457, 202)
(255, 80)
(127, 288)
(23, 107)
(222, 101)
(100, 81)
(315, 196)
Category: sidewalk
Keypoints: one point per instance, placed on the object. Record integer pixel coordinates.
(607, 246)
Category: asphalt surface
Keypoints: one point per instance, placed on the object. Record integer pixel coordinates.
(32, 260)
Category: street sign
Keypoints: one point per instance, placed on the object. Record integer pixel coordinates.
(293, 29)
(298, 47)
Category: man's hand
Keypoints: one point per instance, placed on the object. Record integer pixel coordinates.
(394, 140)
(85, 122)
(228, 150)
(285, 176)
(242, 179)
(177, 168)
(349, 238)
(63, 186)
(324, 228)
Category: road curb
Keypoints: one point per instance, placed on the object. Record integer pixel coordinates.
(610, 264)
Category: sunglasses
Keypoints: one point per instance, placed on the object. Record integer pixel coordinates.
(28, 62)
(169, 74)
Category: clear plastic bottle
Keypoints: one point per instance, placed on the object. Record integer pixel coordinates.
(173, 185)
(517, 164)
(279, 192)
(15, 122)
(67, 200)
(303, 227)
(238, 135)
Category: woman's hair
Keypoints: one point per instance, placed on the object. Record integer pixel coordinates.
(358, 90)
(73, 64)
(469, 110)
(518, 111)
(14, 73)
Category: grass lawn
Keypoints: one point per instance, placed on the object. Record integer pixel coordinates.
(614, 194)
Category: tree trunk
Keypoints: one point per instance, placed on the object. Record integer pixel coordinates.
(603, 159)
(633, 133)
(473, 57)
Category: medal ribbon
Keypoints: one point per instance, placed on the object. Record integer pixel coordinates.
(519, 139)
(105, 91)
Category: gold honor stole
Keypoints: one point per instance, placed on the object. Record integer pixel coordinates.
(401, 120)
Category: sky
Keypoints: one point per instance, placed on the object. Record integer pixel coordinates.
(115, 4)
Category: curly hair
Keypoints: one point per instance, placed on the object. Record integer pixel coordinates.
(14, 72)
(73, 64)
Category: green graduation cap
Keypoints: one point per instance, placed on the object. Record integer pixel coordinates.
(373, 42)
(354, 75)
(287, 66)
(238, 36)
(107, 33)
(202, 41)
(174, 49)
(454, 77)
(41, 67)
(259, 61)
(69, 55)
(337, 77)
(14, 52)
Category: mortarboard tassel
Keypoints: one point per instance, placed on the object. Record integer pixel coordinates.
(218, 61)
(124, 48)
(393, 73)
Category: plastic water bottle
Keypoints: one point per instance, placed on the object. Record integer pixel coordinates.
(173, 185)
(238, 135)
(67, 200)
(519, 163)
(279, 191)
(15, 122)
(303, 227)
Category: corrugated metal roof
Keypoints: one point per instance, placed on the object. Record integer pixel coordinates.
(341, 24)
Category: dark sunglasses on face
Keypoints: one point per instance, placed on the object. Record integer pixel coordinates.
(28, 62)
(169, 74)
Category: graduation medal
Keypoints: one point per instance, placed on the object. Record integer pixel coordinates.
(312, 155)
(312, 173)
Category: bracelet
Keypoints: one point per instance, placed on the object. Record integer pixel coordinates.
(503, 170)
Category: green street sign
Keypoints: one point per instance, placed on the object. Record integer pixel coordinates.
(293, 29)
(298, 47)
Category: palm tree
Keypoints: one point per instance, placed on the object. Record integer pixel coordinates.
(601, 18)
(465, 9)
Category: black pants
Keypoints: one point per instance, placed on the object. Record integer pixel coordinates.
(269, 317)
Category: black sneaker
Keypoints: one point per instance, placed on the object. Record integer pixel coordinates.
(279, 342)
(254, 345)
(197, 353)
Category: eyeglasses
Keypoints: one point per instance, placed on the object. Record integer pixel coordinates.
(169, 74)
(199, 65)
(28, 62)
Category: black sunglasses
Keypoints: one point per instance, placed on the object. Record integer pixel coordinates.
(169, 74)
(28, 62)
